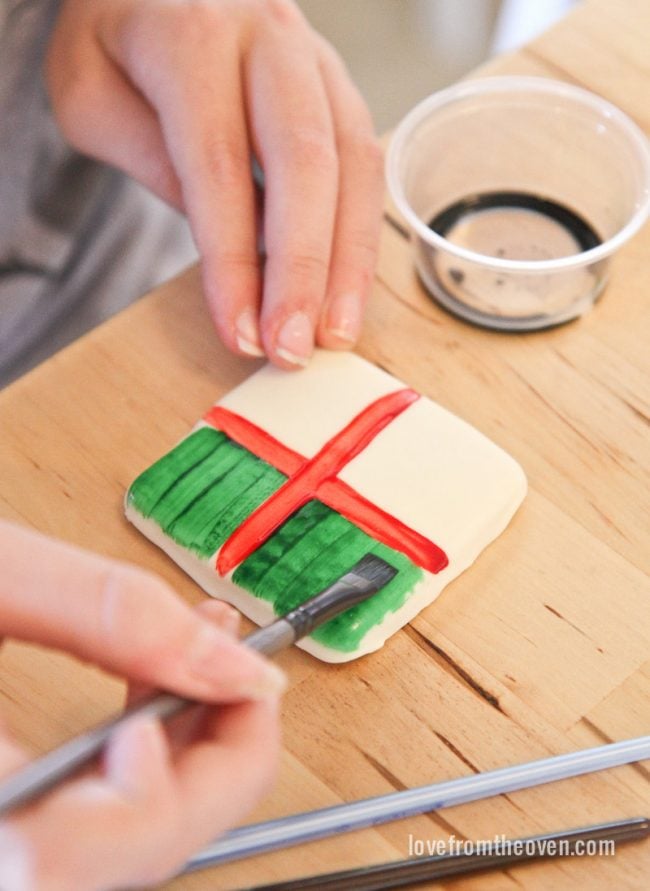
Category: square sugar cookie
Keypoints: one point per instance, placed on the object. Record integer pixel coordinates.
(293, 476)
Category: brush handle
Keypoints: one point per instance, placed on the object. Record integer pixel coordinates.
(44, 773)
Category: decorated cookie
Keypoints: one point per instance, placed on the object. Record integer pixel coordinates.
(292, 477)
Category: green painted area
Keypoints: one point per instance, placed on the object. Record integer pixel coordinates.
(151, 485)
(318, 546)
(202, 490)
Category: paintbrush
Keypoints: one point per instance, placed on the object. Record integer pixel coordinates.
(361, 582)
(492, 855)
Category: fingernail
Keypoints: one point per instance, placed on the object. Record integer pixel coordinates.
(16, 859)
(258, 680)
(344, 319)
(224, 616)
(138, 744)
(247, 334)
(269, 685)
(230, 621)
(296, 339)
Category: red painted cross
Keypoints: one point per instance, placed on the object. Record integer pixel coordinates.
(317, 478)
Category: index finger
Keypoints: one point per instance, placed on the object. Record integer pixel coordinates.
(359, 212)
(122, 618)
(294, 139)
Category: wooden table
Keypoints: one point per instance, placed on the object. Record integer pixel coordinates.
(542, 647)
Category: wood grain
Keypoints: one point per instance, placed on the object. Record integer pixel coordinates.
(541, 647)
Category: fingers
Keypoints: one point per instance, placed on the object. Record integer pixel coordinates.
(132, 809)
(201, 102)
(100, 112)
(358, 215)
(221, 614)
(181, 95)
(123, 619)
(14, 853)
(15, 861)
(12, 756)
(155, 811)
(154, 803)
(194, 83)
(294, 141)
(237, 757)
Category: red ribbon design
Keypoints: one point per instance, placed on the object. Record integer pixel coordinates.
(317, 478)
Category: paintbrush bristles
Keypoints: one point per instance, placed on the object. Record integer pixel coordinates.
(361, 582)
(374, 570)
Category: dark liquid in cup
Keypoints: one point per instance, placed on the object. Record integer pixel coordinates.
(541, 214)
(510, 226)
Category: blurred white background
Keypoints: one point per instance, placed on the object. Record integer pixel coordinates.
(399, 51)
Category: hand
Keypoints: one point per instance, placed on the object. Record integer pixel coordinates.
(158, 796)
(180, 94)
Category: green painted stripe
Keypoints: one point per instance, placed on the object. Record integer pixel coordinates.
(279, 559)
(337, 548)
(203, 489)
(215, 468)
(197, 526)
(239, 497)
(298, 562)
(155, 481)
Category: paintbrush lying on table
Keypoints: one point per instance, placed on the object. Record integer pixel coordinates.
(367, 577)
(490, 855)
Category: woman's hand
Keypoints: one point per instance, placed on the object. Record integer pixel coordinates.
(181, 94)
(158, 796)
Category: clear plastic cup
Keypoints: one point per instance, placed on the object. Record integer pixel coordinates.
(517, 191)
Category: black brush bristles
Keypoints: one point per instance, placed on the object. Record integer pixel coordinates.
(375, 570)
(362, 581)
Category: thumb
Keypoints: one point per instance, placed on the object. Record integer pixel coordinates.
(123, 619)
